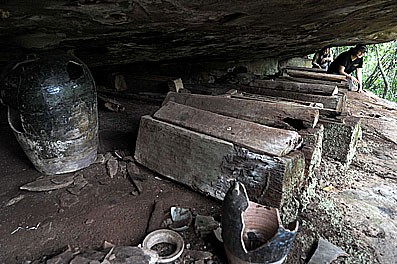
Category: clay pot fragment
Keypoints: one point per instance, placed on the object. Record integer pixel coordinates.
(326, 253)
(181, 218)
(164, 237)
(253, 233)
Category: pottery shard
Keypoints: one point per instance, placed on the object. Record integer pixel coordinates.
(112, 167)
(48, 183)
(326, 253)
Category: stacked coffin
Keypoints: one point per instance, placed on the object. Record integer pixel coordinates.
(266, 135)
(313, 75)
(341, 130)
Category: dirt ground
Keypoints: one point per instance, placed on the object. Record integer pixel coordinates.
(355, 208)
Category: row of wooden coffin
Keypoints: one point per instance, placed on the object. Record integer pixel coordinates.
(208, 142)
(265, 134)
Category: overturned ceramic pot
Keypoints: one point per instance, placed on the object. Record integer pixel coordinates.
(252, 233)
(52, 109)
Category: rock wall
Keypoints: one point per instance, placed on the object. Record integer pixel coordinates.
(106, 32)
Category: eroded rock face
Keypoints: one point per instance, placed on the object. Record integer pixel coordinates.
(124, 31)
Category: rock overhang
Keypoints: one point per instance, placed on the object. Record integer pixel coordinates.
(119, 32)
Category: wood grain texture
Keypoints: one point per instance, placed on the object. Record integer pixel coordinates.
(305, 69)
(209, 165)
(256, 137)
(340, 84)
(321, 89)
(330, 102)
(275, 114)
(315, 75)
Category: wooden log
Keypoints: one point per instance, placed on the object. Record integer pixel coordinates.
(209, 165)
(340, 84)
(276, 114)
(316, 75)
(325, 112)
(341, 137)
(305, 69)
(256, 137)
(321, 89)
(266, 98)
(331, 102)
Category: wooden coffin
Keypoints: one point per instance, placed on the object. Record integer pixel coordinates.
(276, 114)
(309, 88)
(334, 102)
(210, 165)
(256, 137)
(315, 75)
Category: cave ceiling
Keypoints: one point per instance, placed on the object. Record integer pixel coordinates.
(117, 32)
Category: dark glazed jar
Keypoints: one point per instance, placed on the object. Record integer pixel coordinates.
(52, 109)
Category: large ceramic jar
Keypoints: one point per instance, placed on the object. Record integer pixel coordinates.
(52, 109)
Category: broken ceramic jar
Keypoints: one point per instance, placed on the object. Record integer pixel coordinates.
(52, 109)
(181, 218)
(252, 233)
(165, 237)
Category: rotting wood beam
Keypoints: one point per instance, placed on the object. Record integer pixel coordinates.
(325, 112)
(299, 68)
(209, 165)
(340, 84)
(331, 102)
(312, 137)
(315, 75)
(256, 137)
(276, 114)
(320, 89)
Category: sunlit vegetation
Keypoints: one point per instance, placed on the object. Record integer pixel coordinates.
(379, 71)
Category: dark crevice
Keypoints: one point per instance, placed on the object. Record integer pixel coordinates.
(295, 123)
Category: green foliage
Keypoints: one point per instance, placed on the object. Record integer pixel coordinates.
(373, 79)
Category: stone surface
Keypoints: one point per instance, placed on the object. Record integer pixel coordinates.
(340, 139)
(119, 31)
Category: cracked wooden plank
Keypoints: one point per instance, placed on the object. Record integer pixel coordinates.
(209, 165)
(256, 137)
(330, 102)
(315, 75)
(321, 89)
(276, 114)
